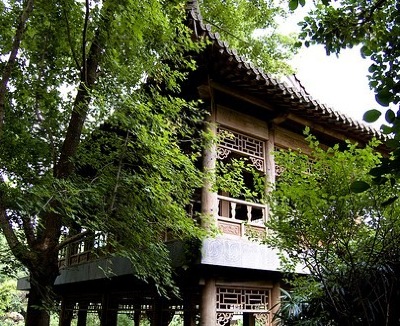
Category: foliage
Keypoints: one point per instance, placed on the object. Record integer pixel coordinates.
(236, 21)
(11, 300)
(10, 268)
(346, 240)
(230, 178)
(91, 131)
(374, 25)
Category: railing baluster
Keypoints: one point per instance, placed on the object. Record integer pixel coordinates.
(233, 210)
(249, 209)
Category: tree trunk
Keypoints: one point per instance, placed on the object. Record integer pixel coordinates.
(41, 298)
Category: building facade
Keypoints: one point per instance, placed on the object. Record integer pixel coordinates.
(232, 280)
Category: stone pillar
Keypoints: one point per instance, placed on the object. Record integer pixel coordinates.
(208, 315)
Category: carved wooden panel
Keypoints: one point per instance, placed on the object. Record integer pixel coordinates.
(229, 228)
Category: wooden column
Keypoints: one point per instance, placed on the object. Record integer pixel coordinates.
(208, 315)
(269, 157)
(209, 201)
(136, 317)
(189, 312)
(82, 314)
(275, 300)
(65, 315)
(109, 311)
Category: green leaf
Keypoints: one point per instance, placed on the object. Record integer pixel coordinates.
(372, 68)
(392, 143)
(390, 116)
(293, 4)
(386, 129)
(384, 97)
(376, 172)
(359, 186)
(302, 2)
(390, 201)
(372, 115)
(365, 51)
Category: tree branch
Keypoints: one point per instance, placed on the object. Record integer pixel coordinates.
(84, 33)
(12, 58)
(16, 247)
(70, 40)
(65, 167)
(114, 196)
(28, 231)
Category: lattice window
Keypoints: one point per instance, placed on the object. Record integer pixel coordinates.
(243, 300)
(131, 308)
(232, 141)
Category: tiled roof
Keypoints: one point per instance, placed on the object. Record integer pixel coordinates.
(239, 72)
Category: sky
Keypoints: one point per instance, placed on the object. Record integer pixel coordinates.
(339, 82)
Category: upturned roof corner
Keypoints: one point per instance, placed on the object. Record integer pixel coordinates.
(288, 92)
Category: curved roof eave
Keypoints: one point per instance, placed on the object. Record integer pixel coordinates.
(296, 100)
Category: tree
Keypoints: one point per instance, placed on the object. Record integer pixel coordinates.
(236, 21)
(375, 26)
(347, 239)
(90, 131)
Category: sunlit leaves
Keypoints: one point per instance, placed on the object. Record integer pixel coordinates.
(338, 216)
(237, 20)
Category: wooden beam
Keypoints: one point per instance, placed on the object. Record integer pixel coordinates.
(329, 132)
(241, 95)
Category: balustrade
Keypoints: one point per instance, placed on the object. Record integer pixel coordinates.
(238, 217)
(83, 250)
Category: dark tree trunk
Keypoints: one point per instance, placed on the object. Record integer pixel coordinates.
(41, 298)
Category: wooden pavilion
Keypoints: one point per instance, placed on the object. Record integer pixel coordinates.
(232, 278)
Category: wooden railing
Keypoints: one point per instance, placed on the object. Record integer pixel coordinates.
(84, 250)
(238, 217)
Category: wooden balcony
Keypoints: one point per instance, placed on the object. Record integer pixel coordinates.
(82, 251)
(241, 218)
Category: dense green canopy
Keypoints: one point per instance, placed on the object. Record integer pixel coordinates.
(91, 128)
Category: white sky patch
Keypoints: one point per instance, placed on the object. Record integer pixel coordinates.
(339, 82)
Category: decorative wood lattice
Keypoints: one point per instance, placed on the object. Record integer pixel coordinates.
(243, 300)
(232, 141)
